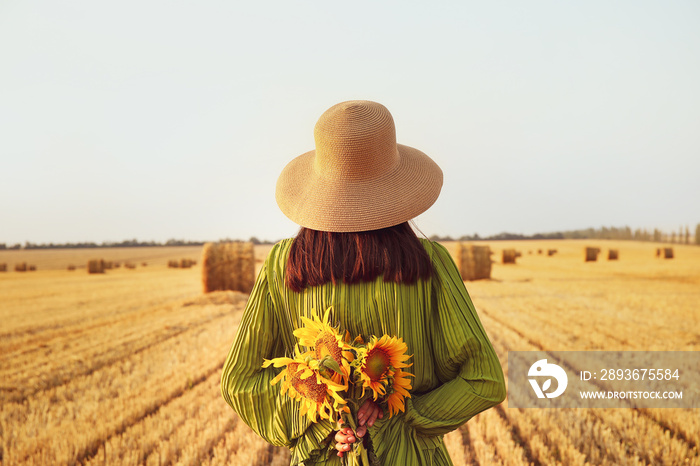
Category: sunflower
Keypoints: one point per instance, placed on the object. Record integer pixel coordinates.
(380, 360)
(398, 390)
(325, 340)
(318, 395)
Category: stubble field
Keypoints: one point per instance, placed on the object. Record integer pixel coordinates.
(123, 368)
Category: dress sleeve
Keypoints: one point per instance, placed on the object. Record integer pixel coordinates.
(245, 385)
(465, 362)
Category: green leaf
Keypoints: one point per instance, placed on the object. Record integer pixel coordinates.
(330, 363)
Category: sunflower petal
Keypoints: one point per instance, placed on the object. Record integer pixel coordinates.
(326, 315)
(278, 377)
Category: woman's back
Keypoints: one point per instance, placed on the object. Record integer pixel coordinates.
(456, 373)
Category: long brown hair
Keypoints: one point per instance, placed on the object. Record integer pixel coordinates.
(318, 257)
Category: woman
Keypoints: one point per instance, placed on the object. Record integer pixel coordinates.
(353, 197)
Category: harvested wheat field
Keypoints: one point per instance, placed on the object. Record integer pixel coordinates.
(123, 367)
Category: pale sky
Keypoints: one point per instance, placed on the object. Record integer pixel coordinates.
(168, 119)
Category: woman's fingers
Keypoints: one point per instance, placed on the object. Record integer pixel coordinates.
(342, 448)
(362, 412)
(372, 416)
(345, 436)
(369, 412)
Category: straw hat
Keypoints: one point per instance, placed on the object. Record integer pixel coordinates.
(358, 178)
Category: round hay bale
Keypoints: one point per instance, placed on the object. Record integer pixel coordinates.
(71, 267)
(21, 267)
(613, 254)
(109, 265)
(173, 264)
(3, 267)
(551, 252)
(668, 253)
(32, 268)
(96, 266)
(185, 263)
(473, 262)
(592, 254)
(539, 251)
(144, 264)
(228, 266)
(129, 265)
(658, 252)
(509, 256)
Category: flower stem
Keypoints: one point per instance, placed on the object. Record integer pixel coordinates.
(358, 447)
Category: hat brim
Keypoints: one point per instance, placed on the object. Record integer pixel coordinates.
(325, 204)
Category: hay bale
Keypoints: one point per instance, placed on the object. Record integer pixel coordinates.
(668, 253)
(228, 266)
(109, 265)
(144, 264)
(117, 265)
(518, 254)
(173, 264)
(129, 265)
(539, 251)
(185, 263)
(509, 256)
(592, 254)
(21, 267)
(32, 268)
(96, 266)
(613, 254)
(71, 267)
(473, 262)
(3, 267)
(551, 252)
(658, 252)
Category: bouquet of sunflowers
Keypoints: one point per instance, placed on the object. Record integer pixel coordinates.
(337, 374)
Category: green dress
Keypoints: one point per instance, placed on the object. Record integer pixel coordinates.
(457, 372)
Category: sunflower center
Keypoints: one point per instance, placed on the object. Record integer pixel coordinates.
(309, 388)
(376, 364)
(326, 344)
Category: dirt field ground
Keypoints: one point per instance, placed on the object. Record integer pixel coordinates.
(123, 368)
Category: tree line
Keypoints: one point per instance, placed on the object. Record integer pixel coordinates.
(128, 243)
(682, 236)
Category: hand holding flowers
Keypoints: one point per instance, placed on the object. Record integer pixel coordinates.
(345, 381)
(345, 437)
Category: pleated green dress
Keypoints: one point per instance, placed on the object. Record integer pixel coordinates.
(457, 372)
